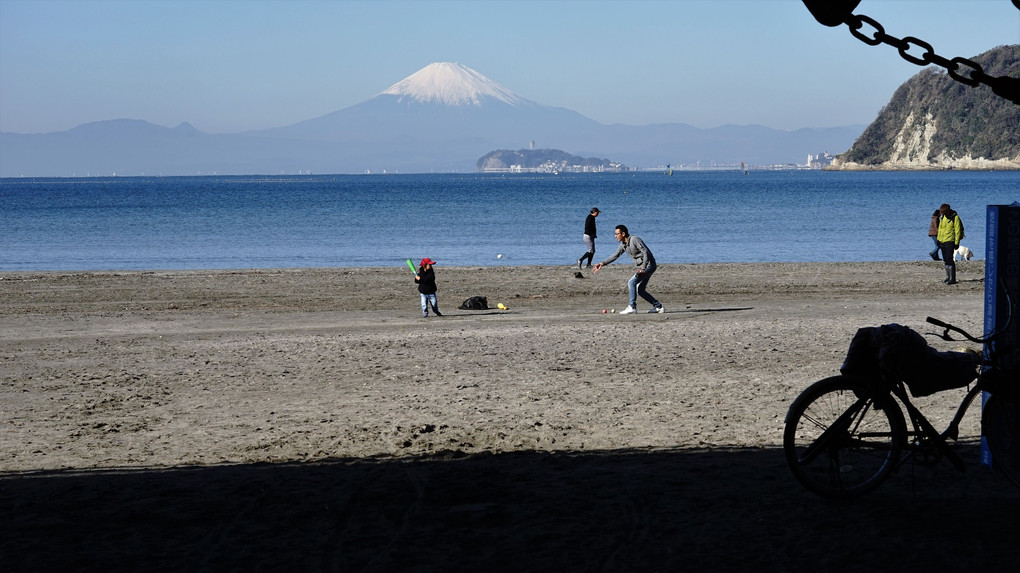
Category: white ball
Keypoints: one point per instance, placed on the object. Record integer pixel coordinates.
(499, 256)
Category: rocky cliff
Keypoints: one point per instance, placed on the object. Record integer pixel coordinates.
(935, 122)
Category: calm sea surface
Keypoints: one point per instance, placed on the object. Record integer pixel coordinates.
(140, 223)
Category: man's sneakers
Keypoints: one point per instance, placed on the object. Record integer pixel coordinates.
(631, 310)
(579, 264)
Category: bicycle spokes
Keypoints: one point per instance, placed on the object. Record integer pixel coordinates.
(838, 444)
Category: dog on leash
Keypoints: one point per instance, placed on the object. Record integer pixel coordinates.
(963, 254)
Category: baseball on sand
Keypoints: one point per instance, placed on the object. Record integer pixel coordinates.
(499, 256)
(613, 311)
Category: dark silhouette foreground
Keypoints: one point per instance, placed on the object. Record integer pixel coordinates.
(613, 511)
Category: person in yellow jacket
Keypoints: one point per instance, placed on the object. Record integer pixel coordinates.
(949, 237)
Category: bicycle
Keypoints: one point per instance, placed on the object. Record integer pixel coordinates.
(844, 435)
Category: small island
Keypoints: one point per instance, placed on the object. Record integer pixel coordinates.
(543, 161)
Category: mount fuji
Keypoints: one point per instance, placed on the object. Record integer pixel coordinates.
(442, 118)
(451, 84)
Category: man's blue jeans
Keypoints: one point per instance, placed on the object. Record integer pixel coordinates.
(637, 285)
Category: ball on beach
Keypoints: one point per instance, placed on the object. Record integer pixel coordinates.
(603, 311)
(499, 256)
(613, 311)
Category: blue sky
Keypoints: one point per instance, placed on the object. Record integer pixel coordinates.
(236, 65)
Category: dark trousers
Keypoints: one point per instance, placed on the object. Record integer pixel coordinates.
(947, 254)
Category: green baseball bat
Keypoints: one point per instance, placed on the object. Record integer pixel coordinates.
(410, 264)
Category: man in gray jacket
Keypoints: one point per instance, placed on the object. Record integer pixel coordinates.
(645, 263)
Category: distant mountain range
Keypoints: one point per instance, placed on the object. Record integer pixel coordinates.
(440, 119)
(935, 122)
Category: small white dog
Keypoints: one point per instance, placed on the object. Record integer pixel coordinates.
(963, 254)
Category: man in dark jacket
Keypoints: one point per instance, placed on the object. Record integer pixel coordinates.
(589, 237)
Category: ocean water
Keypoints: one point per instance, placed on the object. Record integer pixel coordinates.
(162, 223)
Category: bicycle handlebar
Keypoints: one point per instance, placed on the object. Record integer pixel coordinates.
(987, 337)
(947, 327)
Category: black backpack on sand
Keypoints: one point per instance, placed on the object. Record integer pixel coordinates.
(475, 303)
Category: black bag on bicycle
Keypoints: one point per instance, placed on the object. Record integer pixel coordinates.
(894, 353)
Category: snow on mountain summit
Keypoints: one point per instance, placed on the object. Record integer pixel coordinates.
(451, 83)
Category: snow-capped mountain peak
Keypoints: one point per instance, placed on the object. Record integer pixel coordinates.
(451, 83)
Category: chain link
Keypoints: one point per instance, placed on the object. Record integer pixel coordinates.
(960, 69)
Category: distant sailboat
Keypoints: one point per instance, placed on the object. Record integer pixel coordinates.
(669, 170)
(742, 168)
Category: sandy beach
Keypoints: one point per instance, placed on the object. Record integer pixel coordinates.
(310, 419)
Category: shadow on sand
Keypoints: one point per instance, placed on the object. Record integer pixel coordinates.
(670, 510)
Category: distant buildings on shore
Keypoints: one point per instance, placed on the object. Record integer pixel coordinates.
(820, 161)
(559, 167)
(531, 160)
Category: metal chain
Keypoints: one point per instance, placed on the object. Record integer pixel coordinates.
(832, 13)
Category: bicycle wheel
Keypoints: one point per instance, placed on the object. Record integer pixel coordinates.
(838, 446)
(1000, 424)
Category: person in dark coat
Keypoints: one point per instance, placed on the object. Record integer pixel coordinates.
(589, 237)
(933, 232)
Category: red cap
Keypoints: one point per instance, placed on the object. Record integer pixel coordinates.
(427, 261)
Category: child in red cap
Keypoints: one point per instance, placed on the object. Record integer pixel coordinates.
(425, 278)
